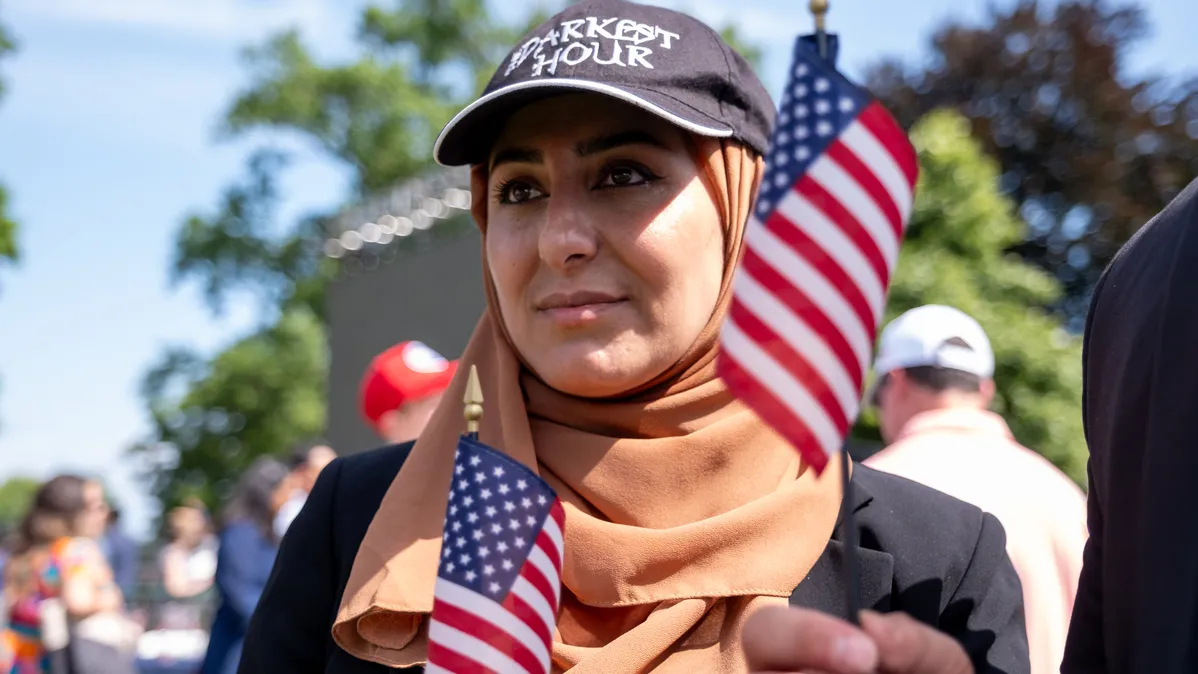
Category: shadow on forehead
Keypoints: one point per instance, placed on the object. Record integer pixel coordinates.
(607, 125)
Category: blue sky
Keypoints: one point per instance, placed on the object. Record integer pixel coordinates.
(107, 141)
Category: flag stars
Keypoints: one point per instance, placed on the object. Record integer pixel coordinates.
(802, 153)
(483, 552)
(494, 588)
(502, 547)
(530, 521)
(823, 129)
(541, 500)
(497, 529)
(526, 503)
(470, 576)
(457, 526)
(509, 506)
(521, 484)
(477, 535)
(801, 111)
(479, 477)
(460, 542)
(513, 525)
(464, 559)
(491, 511)
(822, 84)
(498, 472)
(780, 179)
(507, 565)
(781, 158)
(475, 460)
(822, 107)
(472, 517)
(462, 484)
(459, 469)
(488, 570)
(468, 501)
(801, 70)
(800, 90)
(802, 132)
(485, 494)
(519, 541)
(847, 104)
(503, 489)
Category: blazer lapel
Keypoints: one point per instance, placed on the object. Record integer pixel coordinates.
(823, 589)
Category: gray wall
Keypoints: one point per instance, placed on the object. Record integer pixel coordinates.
(434, 296)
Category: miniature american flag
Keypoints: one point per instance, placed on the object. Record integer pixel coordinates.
(818, 254)
(499, 582)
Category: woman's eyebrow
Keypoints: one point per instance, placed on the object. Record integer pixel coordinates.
(516, 155)
(584, 148)
(612, 141)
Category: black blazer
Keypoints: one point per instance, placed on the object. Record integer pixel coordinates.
(1137, 600)
(923, 552)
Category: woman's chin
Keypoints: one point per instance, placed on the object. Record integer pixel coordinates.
(591, 373)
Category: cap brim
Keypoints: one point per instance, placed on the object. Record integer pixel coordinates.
(467, 138)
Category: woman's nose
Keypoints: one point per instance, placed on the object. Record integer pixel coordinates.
(568, 236)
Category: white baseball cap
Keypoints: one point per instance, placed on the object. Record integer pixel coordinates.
(921, 337)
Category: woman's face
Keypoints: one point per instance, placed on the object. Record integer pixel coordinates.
(94, 519)
(604, 243)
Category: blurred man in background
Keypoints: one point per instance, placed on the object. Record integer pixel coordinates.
(307, 460)
(934, 382)
(401, 389)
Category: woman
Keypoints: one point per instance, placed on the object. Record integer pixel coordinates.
(247, 551)
(615, 155)
(62, 602)
(188, 568)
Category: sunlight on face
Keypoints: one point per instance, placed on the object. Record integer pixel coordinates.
(604, 243)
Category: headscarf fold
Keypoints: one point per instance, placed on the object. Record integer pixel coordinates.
(684, 511)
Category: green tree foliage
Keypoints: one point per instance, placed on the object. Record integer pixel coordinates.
(16, 494)
(8, 228)
(1088, 150)
(377, 115)
(260, 396)
(955, 253)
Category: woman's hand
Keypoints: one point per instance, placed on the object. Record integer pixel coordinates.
(781, 640)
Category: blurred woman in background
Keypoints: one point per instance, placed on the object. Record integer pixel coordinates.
(188, 564)
(247, 551)
(64, 608)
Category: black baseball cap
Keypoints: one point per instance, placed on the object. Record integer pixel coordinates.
(665, 62)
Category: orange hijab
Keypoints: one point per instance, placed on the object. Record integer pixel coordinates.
(684, 512)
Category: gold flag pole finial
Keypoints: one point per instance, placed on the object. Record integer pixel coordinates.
(474, 402)
(819, 9)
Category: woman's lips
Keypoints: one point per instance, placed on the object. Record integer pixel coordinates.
(581, 314)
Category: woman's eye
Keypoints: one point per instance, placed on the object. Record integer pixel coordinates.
(625, 176)
(517, 193)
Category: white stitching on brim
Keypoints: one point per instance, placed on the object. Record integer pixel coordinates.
(597, 87)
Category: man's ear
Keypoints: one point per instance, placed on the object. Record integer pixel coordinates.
(389, 425)
(986, 391)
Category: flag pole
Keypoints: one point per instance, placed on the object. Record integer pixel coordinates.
(819, 9)
(474, 404)
(848, 523)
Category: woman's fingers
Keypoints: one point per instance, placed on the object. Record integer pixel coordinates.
(781, 639)
(791, 640)
(907, 646)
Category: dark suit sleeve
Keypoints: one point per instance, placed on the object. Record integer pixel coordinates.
(289, 633)
(985, 613)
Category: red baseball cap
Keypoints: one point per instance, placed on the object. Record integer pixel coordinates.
(405, 372)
